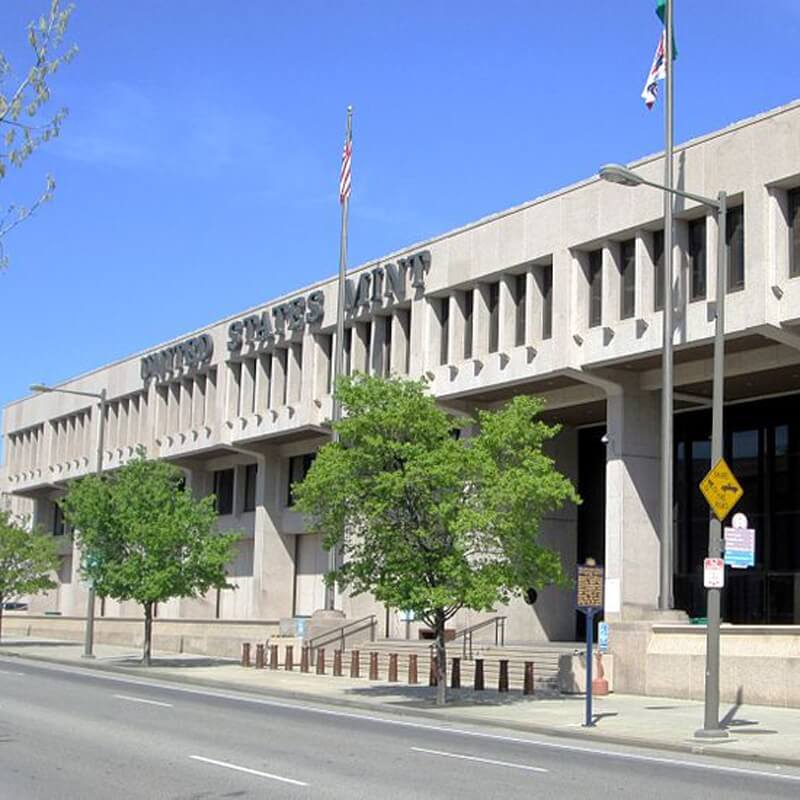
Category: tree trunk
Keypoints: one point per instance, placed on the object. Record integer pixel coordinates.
(441, 660)
(148, 633)
(1, 617)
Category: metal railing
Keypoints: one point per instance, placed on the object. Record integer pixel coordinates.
(341, 633)
(465, 634)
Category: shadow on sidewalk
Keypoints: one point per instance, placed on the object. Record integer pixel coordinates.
(34, 643)
(173, 661)
(411, 696)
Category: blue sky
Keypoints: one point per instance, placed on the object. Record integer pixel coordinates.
(197, 170)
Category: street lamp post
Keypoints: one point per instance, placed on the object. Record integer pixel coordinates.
(39, 388)
(616, 173)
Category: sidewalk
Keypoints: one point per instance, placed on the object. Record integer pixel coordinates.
(760, 733)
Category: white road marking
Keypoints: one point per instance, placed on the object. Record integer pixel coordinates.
(10, 672)
(248, 770)
(310, 709)
(481, 760)
(142, 700)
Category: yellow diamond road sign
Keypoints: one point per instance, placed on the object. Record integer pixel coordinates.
(721, 489)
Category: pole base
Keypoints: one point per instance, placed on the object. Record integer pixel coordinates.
(87, 655)
(711, 733)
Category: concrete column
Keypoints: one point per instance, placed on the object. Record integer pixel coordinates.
(632, 494)
(507, 314)
(533, 309)
(278, 383)
(273, 552)
(198, 402)
(248, 387)
(263, 373)
(645, 278)
(455, 348)
(480, 321)
(358, 348)
(377, 345)
(294, 374)
(400, 340)
(612, 285)
(417, 342)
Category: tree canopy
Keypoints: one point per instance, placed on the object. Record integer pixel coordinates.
(144, 537)
(27, 559)
(427, 520)
(23, 95)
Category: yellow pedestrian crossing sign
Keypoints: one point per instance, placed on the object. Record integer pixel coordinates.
(721, 489)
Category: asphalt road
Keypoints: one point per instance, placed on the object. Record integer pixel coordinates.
(71, 734)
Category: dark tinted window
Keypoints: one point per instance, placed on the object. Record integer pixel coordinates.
(595, 288)
(494, 316)
(627, 266)
(735, 241)
(59, 528)
(469, 301)
(794, 232)
(223, 490)
(546, 285)
(298, 469)
(697, 258)
(250, 478)
(658, 270)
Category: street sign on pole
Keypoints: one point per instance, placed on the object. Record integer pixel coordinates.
(602, 637)
(713, 573)
(740, 547)
(721, 489)
(589, 601)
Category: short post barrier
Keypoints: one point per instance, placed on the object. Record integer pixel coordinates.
(304, 659)
(273, 656)
(259, 656)
(392, 678)
(433, 678)
(373, 666)
(288, 664)
(337, 663)
(245, 654)
(479, 684)
(455, 675)
(527, 686)
(413, 678)
(321, 661)
(502, 678)
(355, 664)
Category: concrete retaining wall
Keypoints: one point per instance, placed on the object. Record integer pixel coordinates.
(204, 637)
(758, 663)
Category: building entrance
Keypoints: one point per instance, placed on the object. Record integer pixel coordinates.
(762, 447)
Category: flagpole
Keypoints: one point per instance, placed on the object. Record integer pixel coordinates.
(338, 362)
(665, 600)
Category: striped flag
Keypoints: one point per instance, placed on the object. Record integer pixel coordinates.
(658, 72)
(344, 174)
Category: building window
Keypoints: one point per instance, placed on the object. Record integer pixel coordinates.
(444, 328)
(697, 259)
(250, 478)
(469, 307)
(404, 320)
(326, 354)
(734, 238)
(223, 491)
(59, 526)
(348, 351)
(494, 316)
(627, 267)
(658, 270)
(367, 328)
(520, 295)
(546, 288)
(387, 346)
(298, 469)
(794, 230)
(595, 288)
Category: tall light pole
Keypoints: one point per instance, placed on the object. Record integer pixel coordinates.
(39, 388)
(616, 173)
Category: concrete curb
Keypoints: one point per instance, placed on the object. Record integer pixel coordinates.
(430, 714)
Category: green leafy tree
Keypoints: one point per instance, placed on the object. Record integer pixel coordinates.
(144, 537)
(26, 560)
(23, 126)
(427, 521)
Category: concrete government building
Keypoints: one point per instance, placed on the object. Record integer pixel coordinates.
(559, 297)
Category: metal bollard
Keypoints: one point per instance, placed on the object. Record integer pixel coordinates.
(528, 684)
(392, 668)
(245, 654)
(259, 656)
(288, 665)
(455, 676)
(304, 659)
(321, 661)
(479, 685)
(412, 669)
(355, 664)
(502, 680)
(373, 666)
(433, 678)
(337, 663)
(273, 656)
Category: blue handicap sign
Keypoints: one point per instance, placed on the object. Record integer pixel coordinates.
(602, 636)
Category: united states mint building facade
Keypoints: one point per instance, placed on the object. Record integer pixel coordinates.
(559, 297)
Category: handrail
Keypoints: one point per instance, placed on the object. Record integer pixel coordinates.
(499, 623)
(341, 632)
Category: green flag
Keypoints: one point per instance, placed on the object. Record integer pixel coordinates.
(661, 10)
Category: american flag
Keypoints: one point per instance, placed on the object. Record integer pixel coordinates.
(344, 175)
